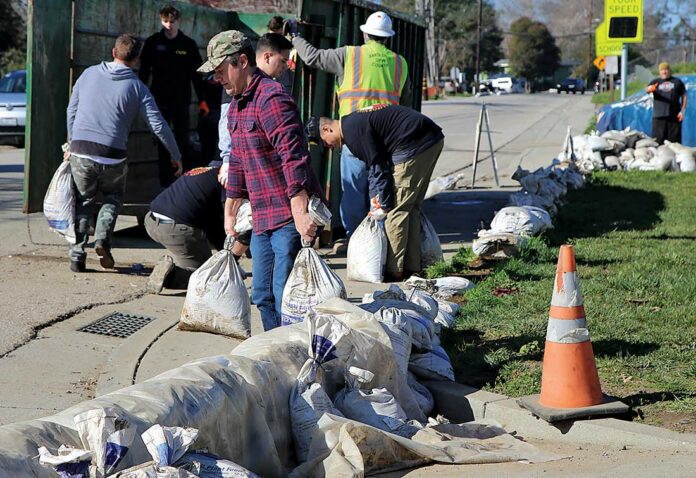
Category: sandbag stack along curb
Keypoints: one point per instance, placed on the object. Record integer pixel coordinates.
(366, 361)
(531, 210)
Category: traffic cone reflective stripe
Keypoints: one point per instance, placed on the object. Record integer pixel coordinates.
(569, 376)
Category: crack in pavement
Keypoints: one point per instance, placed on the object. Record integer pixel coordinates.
(69, 315)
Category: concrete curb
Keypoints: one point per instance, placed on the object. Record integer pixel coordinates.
(461, 403)
(122, 366)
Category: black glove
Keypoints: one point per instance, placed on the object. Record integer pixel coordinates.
(290, 27)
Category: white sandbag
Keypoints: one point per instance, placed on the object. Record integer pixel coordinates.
(217, 300)
(423, 299)
(528, 220)
(446, 316)
(612, 162)
(431, 249)
(310, 283)
(427, 305)
(525, 199)
(150, 470)
(167, 444)
(244, 221)
(67, 462)
(646, 143)
(59, 203)
(347, 448)
(442, 183)
(422, 393)
(614, 135)
(665, 162)
(498, 245)
(422, 327)
(432, 365)
(205, 465)
(367, 252)
(308, 400)
(376, 407)
(451, 286)
(597, 143)
(399, 330)
(107, 436)
(686, 162)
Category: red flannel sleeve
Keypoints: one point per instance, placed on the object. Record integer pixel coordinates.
(281, 122)
(236, 184)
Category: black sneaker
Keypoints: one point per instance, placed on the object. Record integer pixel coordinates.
(105, 258)
(77, 266)
(159, 274)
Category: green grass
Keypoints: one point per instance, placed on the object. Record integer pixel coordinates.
(591, 125)
(605, 98)
(634, 235)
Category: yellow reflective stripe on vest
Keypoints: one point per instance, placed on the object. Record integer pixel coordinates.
(364, 84)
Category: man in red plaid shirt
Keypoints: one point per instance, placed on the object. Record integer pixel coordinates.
(269, 159)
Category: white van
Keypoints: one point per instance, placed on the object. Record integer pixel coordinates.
(503, 83)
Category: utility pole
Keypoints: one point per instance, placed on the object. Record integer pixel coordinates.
(477, 81)
(589, 45)
(426, 9)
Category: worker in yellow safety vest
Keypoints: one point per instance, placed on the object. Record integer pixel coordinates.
(366, 75)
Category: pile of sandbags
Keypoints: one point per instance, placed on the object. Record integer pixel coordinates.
(531, 209)
(630, 150)
(335, 395)
(546, 187)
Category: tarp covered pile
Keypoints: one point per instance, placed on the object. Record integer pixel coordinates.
(630, 149)
(335, 395)
(637, 110)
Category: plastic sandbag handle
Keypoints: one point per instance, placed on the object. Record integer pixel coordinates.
(229, 242)
(306, 243)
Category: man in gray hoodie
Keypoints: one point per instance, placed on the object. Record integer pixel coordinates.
(104, 103)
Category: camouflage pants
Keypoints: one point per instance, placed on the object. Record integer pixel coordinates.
(89, 179)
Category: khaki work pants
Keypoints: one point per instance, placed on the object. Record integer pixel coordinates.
(403, 223)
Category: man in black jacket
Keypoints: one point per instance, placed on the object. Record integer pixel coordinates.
(400, 147)
(171, 58)
(186, 218)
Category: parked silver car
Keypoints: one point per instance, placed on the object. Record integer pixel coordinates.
(13, 106)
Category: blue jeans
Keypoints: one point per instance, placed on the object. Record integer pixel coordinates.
(274, 254)
(355, 202)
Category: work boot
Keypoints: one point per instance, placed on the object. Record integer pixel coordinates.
(159, 275)
(105, 258)
(77, 266)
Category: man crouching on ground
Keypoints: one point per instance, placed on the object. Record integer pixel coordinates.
(269, 158)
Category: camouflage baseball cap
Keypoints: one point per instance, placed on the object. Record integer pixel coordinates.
(221, 46)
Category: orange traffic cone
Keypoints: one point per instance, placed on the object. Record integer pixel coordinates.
(569, 382)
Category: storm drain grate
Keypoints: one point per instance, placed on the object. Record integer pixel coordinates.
(117, 324)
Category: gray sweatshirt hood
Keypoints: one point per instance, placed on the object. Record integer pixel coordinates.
(116, 71)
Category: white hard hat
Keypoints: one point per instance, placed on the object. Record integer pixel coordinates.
(378, 24)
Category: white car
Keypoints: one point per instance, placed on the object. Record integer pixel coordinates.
(13, 106)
